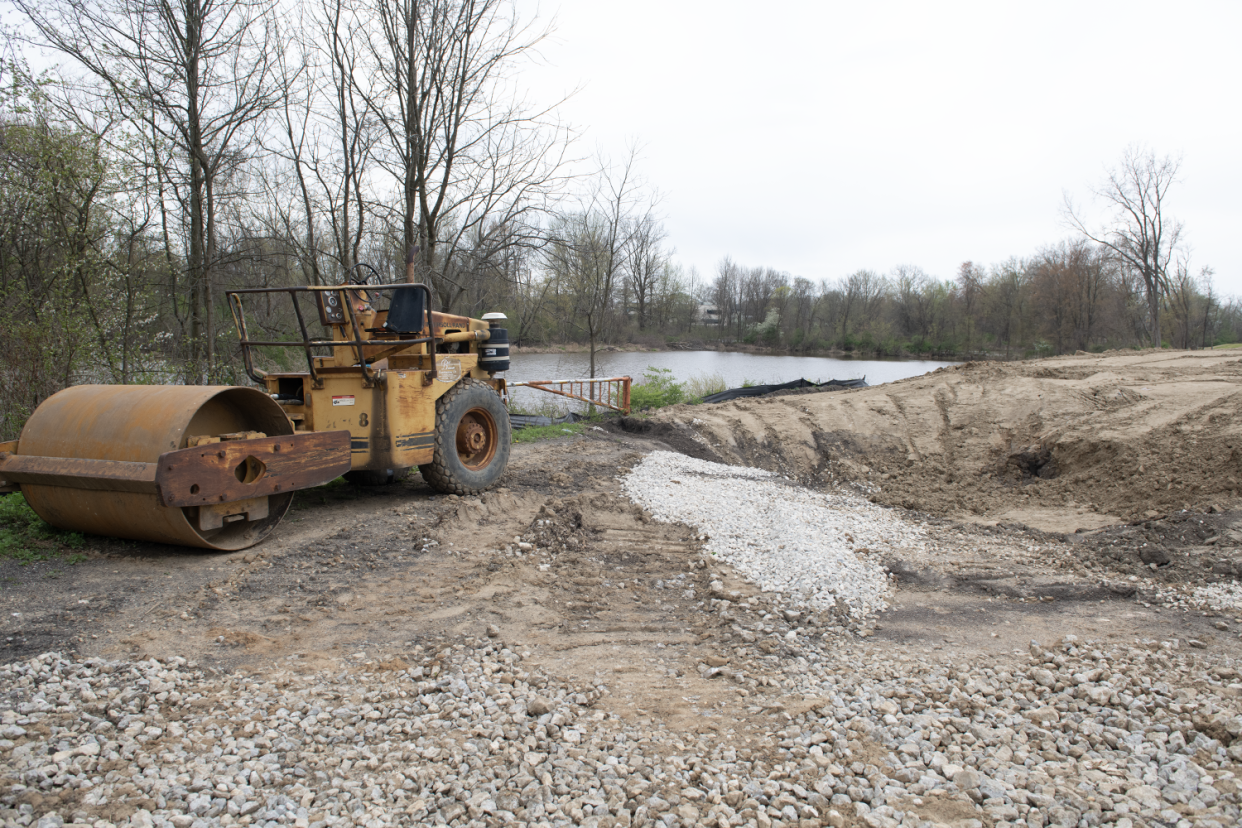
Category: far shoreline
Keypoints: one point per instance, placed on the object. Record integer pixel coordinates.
(742, 348)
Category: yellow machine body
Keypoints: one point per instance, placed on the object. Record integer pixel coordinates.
(391, 422)
(215, 466)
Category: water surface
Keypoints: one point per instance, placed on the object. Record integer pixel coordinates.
(736, 368)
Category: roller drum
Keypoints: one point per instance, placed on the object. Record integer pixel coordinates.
(137, 424)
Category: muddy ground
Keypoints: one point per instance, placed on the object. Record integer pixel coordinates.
(1066, 497)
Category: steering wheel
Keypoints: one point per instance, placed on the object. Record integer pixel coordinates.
(371, 278)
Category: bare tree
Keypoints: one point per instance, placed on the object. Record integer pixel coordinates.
(467, 152)
(1068, 281)
(969, 286)
(758, 285)
(323, 134)
(912, 299)
(1210, 305)
(352, 131)
(590, 246)
(646, 264)
(1190, 303)
(1006, 299)
(727, 293)
(1139, 234)
(804, 304)
(324, 198)
(1130, 307)
(199, 73)
(862, 293)
(528, 292)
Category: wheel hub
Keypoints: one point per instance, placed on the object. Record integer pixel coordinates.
(475, 440)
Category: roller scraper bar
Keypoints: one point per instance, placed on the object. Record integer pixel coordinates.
(207, 466)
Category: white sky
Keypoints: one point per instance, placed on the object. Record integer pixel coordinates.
(823, 137)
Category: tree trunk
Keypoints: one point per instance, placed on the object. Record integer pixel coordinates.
(591, 332)
(1153, 305)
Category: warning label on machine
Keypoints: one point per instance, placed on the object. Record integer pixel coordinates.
(346, 400)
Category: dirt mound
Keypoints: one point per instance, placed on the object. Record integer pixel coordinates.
(676, 436)
(1074, 443)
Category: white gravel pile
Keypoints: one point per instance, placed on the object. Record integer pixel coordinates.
(1218, 596)
(783, 537)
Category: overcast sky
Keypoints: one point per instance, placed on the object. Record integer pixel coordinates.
(819, 138)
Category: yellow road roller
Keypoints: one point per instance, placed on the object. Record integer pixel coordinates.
(389, 384)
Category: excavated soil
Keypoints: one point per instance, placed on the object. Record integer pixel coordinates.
(1084, 444)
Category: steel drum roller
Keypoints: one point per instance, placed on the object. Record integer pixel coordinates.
(137, 424)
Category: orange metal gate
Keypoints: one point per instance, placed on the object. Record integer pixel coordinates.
(613, 392)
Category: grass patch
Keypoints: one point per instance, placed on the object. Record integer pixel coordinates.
(704, 386)
(542, 404)
(25, 538)
(533, 434)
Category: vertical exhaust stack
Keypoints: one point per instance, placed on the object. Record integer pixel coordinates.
(494, 353)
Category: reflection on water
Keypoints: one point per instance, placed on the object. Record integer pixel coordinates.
(736, 368)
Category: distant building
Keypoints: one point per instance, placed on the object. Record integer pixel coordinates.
(707, 314)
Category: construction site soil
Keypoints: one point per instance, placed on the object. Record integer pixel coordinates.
(1093, 496)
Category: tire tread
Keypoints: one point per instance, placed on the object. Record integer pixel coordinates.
(437, 473)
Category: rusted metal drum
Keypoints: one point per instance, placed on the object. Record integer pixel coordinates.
(138, 423)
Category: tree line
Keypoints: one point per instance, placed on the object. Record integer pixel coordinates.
(1070, 296)
(190, 147)
(1125, 283)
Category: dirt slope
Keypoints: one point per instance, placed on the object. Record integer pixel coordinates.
(1064, 444)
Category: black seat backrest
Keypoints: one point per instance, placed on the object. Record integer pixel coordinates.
(407, 310)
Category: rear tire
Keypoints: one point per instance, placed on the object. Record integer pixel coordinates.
(472, 440)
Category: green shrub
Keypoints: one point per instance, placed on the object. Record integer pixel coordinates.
(657, 390)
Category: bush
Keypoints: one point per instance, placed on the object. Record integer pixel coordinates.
(889, 347)
(657, 390)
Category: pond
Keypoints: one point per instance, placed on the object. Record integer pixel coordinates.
(736, 369)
